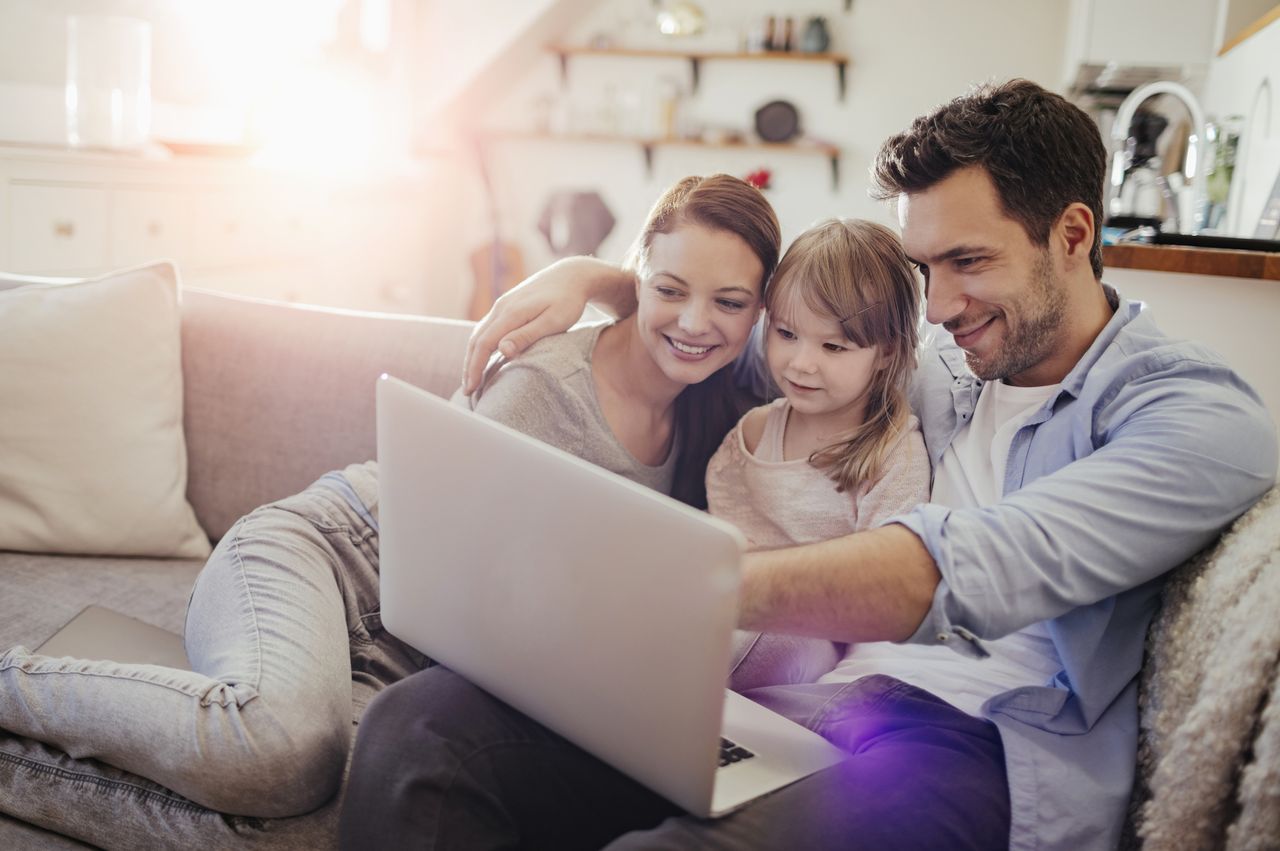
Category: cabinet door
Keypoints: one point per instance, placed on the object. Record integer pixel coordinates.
(57, 228)
(1151, 32)
(229, 230)
(149, 224)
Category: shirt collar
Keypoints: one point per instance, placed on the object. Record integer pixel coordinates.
(1123, 312)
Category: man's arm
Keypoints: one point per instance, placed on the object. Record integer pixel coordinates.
(1184, 451)
(869, 586)
(546, 303)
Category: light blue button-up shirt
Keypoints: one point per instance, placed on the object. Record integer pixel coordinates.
(1148, 450)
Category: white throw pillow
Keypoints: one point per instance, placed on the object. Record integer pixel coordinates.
(92, 454)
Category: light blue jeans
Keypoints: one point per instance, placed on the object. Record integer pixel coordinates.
(286, 644)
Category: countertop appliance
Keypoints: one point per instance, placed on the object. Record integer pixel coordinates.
(1141, 186)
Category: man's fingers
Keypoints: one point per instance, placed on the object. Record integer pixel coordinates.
(480, 348)
(517, 341)
(481, 340)
(488, 336)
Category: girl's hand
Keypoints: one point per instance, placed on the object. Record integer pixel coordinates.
(548, 302)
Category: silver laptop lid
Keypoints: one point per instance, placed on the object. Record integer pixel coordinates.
(594, 605)
(97, 632)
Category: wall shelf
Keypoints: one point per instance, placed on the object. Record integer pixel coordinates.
(696, 58)
(1228, 263)
(648, 145)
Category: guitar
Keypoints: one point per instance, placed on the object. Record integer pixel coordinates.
(496, 266)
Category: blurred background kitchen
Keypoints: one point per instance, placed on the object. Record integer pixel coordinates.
(421, 155)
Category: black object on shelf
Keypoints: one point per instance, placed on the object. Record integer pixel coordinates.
(1131, 222)
(1198, 240)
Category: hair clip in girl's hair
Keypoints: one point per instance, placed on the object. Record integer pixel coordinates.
(862, 311)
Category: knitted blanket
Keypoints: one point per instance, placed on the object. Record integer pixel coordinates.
(1209, 753)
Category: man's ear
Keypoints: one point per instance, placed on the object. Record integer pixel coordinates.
(1074, 231)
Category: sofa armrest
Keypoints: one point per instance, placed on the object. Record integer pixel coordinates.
(275, 395)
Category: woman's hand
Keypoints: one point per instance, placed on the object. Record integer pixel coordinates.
(548, 302)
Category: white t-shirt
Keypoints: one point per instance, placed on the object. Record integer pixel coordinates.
(971, 475)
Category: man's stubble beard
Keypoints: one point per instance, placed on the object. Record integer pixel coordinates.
(1041, 315)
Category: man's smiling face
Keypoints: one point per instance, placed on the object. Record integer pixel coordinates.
(986, 282)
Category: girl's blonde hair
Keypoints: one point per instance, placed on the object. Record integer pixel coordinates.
(856, 272)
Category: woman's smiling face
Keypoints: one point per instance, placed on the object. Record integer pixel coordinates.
(699, 294)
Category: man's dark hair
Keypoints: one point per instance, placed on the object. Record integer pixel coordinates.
(1042, 152)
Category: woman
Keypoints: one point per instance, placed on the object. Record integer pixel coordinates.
(283, 626)
(619, 394)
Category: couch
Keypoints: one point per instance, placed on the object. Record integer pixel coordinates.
(275, 395)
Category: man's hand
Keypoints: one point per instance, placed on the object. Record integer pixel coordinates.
(548, 302)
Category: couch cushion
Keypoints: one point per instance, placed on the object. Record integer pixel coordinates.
(277, 394)
(42, 592)
(92, 455)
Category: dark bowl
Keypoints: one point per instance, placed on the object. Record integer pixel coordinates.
(777, 121)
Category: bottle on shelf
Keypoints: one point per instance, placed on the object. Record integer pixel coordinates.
(771, 34)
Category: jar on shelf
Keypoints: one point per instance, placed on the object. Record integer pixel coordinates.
(817, 39)
(108, 83)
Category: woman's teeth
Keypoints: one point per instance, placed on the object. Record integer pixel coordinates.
(689, 350)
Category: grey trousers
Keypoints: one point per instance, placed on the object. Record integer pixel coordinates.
(286, 644)
(440, 764)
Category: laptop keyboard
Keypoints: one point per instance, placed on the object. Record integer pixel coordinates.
(731, 752)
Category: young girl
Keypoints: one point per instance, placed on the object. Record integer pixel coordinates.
(840, 452)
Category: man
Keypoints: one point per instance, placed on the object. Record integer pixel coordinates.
(1079, 455)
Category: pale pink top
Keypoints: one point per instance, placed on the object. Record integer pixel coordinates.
(778, 503)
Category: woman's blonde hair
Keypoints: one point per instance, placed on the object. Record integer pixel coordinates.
(856, 272)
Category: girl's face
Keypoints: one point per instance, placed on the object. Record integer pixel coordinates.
(698, 298)
(818, 369)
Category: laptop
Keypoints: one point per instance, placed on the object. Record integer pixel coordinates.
(100, 633)
(596, 606)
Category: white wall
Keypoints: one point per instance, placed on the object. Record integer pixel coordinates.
(1246, 82)
(905, 57)
(1234, 316)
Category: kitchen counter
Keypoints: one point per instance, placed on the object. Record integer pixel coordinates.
(1259, 265)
